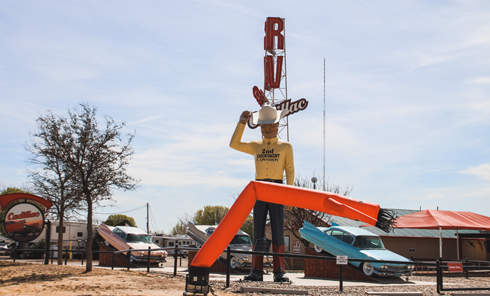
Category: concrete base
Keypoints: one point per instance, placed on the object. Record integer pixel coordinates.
(273, 291)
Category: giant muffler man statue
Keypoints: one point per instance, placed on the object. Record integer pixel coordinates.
(273, 157)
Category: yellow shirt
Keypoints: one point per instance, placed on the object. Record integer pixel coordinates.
(272, 156)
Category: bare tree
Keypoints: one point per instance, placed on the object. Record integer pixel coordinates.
(52, 176)
(94, 160)
(294, 219)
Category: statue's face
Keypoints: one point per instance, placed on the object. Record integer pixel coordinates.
(269, 131)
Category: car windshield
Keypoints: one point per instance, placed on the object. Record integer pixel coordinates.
(368, 242)
(241, 240)
(138, 238)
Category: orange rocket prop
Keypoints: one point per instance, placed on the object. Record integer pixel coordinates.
(286, 195)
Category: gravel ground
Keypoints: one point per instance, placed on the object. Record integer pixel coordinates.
(449, 282)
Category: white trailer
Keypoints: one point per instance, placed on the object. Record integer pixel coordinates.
(75, 234)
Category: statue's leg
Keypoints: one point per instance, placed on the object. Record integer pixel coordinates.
(260, 216)
(277, 226)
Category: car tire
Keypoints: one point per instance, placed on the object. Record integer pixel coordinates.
(317, 248)
(234, 262)
(367, 268)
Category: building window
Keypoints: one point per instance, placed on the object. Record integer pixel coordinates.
(170, 244)
(58, 229)
(156, 241)
(286, 244)
(79, 234)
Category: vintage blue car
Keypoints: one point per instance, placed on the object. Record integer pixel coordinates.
(357, 243)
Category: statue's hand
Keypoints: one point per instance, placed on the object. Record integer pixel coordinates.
(244, 117)
(288, 208)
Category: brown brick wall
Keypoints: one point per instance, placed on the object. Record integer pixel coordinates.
(216, 267)
(329, 269)
(105, 259)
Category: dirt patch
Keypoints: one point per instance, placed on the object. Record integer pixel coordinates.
(54, 280)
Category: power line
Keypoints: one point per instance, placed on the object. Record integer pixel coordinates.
(135, 209)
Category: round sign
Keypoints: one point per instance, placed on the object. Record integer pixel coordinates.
(23, 222)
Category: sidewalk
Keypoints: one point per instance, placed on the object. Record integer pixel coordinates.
(297, 279)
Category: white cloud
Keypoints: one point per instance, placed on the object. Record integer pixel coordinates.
(481, 171)
(479, 80)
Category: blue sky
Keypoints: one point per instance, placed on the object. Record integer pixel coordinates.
(407, 94)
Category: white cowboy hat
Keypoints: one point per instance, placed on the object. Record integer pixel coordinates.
(268, 114)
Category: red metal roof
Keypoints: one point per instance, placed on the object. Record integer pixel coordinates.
(435, 219)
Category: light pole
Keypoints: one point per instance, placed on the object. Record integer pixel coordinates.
(314, 179)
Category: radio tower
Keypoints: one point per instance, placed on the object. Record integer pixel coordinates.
(275, 78)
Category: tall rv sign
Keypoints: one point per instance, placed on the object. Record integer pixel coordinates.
(275, 70)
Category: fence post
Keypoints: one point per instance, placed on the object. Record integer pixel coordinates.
(129, 258)
(148, 264)
(467, 268)
(112, 259)
(66, 256)
(175, 259)
(15, 252)
(228, 259)
(438, 284)
(48, 242)
(341, 278)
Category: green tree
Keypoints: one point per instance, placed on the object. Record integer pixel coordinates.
(179, 228)
(95, 157)
(248, 226)
(210, 215)
(120, 220)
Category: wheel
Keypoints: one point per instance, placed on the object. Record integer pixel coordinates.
(234, 262)
(318, 249)
(367, 268)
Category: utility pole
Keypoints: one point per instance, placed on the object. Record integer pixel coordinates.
(148, 217)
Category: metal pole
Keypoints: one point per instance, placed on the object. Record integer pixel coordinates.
(467, 268)
(228, 259)
(148, 218)
(440, 242)
(341, 277)
(129, 258)
(457, 242)
(148, 264)
(66, 256)
(112, 260)
(175, 259)
(48, 242)
(438, 276)
(81, 255)
(15, 252)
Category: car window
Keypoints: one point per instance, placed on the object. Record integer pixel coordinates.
(347, 238)
(329, 232)
(337, 234)
(368, 242)
(138, 238)
(241, 240)
(119, 232)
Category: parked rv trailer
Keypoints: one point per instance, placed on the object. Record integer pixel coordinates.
(75, 234)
